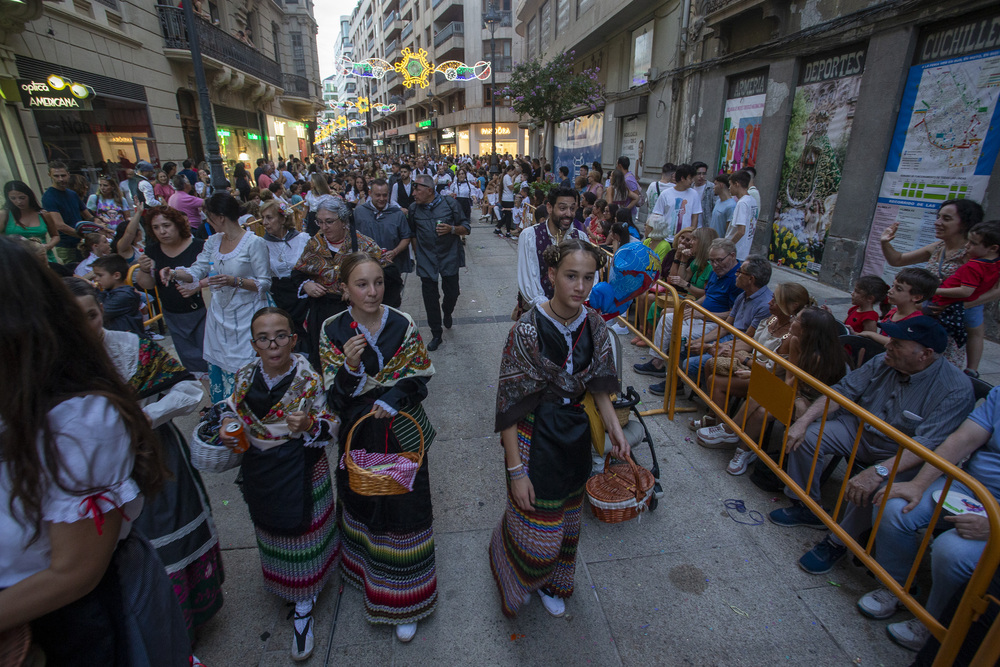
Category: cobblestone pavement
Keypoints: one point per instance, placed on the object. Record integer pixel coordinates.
(686, 585)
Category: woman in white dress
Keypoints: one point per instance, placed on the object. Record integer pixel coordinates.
(235, 265)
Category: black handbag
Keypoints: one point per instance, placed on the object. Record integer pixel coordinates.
(277, 486)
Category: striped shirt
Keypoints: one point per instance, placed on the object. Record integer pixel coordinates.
(940, 394)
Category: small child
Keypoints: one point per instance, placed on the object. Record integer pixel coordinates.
(518, 215)
(911, 287)
(868, 291)
(969, 282)
(119, 300)
(94, 245)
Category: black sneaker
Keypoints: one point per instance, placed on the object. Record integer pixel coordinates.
(434, 344)
(447, 321)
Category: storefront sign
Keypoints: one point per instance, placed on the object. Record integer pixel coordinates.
(488, 131)
(818, 134)
(393, 132)
(224, 133)
(424, 124)
(970, 36)
(412, 137)
(55, 93)
(253, 137)
(945, 144)
(120, 140)
(448, 135)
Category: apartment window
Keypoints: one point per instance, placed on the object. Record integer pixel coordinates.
(503, 59)
(582, 6)
(545, 29)
(502, 5)
(488, 95)
(275, 35)
(213, 11)
(298, 54)
(532, 38)
(562, 16)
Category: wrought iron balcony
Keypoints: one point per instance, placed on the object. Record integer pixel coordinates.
(449, 31)
(298, 86)
(216, 43)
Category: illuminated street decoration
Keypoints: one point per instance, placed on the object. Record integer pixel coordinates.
(373, 68)
(454, 70)
(414, 68)
(362, 104)
(384, 108)
(356, 123)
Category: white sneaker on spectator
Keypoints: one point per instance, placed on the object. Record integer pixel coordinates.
(716, 437)
(909, 634)
(619, 329)
(880, 604)
(553, 605)
(742, 458)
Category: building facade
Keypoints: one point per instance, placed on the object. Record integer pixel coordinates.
(447, 115)
(133, 57)
(856, 115)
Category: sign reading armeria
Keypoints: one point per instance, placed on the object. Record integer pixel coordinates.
(836, 66)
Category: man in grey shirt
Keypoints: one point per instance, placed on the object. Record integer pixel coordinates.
(438, 225)
(912, 388)
(386, 223)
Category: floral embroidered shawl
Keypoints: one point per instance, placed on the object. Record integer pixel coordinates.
(322, 265)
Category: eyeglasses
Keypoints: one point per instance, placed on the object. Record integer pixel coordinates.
(281, 340)
(715, 262)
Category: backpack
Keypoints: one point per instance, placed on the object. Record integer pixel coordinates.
(652, 200)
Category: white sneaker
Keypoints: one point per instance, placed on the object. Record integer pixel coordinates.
(909, 634)
(405, 632)
(740, 461)
(619, 329)
(716, 437)
(880, 604)
(553, 605)
(302, 642)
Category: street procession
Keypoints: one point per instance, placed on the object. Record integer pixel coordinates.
(499, 332)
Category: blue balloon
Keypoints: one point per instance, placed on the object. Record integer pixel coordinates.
(634, 269)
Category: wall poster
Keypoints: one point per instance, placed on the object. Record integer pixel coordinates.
(741, 121)
(818, 135)
(578, 142)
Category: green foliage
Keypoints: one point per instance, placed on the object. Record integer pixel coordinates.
(548, 91)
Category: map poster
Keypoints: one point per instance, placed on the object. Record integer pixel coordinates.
(944, 147)
(741, 121)
(578, 142)
(818, 135)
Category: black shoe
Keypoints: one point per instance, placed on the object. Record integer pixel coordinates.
(447, 321)
(434, 344)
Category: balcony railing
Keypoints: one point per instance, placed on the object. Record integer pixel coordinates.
(388, 21)
(449, 31)
(410, 93)
(368, 22)
(506, 20)
(391, 48)
(216, 43)
(407, 31)
(297, 86)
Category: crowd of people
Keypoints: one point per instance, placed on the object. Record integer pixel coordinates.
(281, 294)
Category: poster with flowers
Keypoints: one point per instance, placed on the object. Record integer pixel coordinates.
(818, 135)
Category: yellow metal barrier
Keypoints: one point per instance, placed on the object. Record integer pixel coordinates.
(777, 398)
(152, 302)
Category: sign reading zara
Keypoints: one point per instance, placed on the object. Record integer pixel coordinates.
(55, 93)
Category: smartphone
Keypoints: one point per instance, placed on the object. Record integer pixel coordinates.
(305, 405)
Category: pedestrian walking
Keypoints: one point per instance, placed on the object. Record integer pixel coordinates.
(554, 355)
(387, 224)
(438, 226)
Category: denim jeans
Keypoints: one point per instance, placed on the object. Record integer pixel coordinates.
(953, 558)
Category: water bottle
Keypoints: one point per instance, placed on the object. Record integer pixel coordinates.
(212, 272)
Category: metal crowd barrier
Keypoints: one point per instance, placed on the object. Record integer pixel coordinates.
(777, 398)
(153, 303)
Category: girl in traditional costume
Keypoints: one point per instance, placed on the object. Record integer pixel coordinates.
(375, 361)
(280, 402)
(178, 520)
(555, 353)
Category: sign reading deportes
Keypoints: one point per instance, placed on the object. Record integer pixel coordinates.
(55, 93)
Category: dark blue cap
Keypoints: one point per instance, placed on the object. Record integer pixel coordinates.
(923, 329)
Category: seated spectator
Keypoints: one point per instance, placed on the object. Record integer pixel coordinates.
(910, 377)
(749, 310)
(908, 510)
(910, 289)
(720, 295)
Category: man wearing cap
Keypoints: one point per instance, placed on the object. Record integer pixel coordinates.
(911, 387)
(145, 184)
(438, 225)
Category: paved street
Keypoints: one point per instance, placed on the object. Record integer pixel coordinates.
(686, 585)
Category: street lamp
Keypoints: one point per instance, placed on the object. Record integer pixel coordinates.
(492, 20)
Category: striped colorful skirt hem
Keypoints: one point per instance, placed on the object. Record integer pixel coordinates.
(536, 549)
(394, 571)
(296, 567)
(198, 588)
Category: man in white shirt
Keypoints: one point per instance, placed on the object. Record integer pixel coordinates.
(533, 283)
(422, 168)
(752, 190)
(705, 189)
(402, 189)
(744, 224)
(656, 188)
(681, 206)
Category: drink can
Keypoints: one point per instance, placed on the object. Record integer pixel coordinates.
(235, 430)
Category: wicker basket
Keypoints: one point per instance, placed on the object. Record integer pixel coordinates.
(209, 457)
(621, 492)
(623, 407)
(14, 645)
(364, 482)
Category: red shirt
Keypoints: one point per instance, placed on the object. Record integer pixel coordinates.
(892, 311)
(856, 320)
(980, 274)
